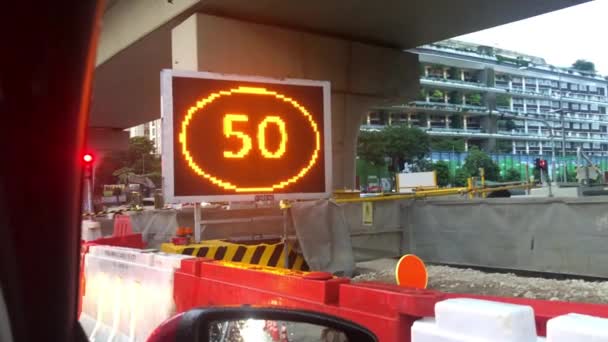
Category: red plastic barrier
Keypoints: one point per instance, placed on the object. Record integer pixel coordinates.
(387, 310)
(122, 225)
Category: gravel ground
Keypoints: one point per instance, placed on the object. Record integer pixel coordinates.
(457, 280)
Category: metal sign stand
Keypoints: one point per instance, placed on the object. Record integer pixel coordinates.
(285, 206)
(197, 222)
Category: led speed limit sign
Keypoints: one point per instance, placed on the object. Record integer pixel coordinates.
(235, 137)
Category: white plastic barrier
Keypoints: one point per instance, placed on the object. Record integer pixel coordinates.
(577, 328)
(464, 319)
(473, 320)
(128, 292)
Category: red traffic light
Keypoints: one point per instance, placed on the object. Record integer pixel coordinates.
(87, 158)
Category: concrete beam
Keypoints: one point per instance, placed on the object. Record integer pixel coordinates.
(361, 76)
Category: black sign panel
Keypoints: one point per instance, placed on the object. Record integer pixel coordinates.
(238, 137)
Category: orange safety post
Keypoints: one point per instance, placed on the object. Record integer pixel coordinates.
(411, 272)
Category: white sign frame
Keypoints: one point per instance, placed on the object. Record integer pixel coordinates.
(166, 83)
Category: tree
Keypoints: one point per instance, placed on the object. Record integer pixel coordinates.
(584, 65)
(442, 170)
(139, 159)
(371, 147)
(405, 144)
(478, 159)
(461, 177)
(512, 175)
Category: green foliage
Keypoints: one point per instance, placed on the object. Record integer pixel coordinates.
(474, 99)
(478, 159)
(371, 147)
(511, 175)
(584, 65)
(456, 121)
(454, 73)
(437, 95)
(139, 159)
(405, 144)
(442, 170)
(422, 95)
(447, 144)
(141, 156)
(461, 177)
(503, 100)
(455, 97)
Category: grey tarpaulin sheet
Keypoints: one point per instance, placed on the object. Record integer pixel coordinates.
(537, 234)
(324, 236)
(155, 226)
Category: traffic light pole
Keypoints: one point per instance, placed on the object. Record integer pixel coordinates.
(88, 193)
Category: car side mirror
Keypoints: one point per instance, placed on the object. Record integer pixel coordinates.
(227, 324)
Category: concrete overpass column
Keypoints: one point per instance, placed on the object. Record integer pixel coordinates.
(361, 75)
(523, 83)
(466, 145)
(489, 124)
(526, 126)
(462, 75)
(409, 120)
(445, 73)
(514, 147)
(540, 148)
(510, 103)
(527, 148)
(537, 87)
(464, 122)
(447, 121)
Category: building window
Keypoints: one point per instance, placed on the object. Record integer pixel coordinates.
(584, 107)
(573, 86)
(594, 107)
(592, 89)
(563, 85)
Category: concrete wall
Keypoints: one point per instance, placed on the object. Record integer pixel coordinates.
(537, 234)
(361, 75)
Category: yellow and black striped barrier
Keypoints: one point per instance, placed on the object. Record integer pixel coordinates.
(263, 254)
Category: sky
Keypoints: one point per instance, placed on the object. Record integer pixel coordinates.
(560, 37)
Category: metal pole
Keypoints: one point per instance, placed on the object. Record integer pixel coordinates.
(527, 178)
(564, 177)
(285, 205)
(197, 222)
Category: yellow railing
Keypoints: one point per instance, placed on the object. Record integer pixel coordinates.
(471, 190)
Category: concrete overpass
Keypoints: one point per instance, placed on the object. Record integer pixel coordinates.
(357, 45)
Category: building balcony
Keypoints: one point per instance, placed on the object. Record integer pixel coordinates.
(452, 84)
(503, 89)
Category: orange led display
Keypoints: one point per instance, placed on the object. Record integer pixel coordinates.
(246, 138)
(262, 137)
